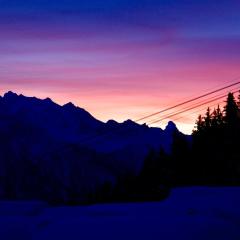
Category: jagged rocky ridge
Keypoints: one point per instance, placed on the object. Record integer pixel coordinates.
(54, 152)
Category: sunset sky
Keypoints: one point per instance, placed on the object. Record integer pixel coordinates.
(119, 59)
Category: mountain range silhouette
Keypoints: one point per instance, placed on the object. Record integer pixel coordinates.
(42, 142)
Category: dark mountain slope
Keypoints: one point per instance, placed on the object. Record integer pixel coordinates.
(58, 152)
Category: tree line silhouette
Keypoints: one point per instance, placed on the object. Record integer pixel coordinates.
(212, 157)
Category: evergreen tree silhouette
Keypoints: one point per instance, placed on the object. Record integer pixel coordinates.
(217, 118)
(208, 119)
(232, 132)
(238, 103)
(231, 111)
(215, 145)
(199, 124)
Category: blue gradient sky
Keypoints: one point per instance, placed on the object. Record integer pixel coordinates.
(116, 58)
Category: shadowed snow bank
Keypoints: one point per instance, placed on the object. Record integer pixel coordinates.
(189, 213)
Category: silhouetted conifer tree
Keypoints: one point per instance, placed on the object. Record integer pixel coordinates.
(219, 116)
(208, 119)
(216, 144)
(238, 103)
(231, 111)
(199, 124)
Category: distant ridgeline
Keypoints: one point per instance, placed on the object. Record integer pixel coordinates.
(62, 154)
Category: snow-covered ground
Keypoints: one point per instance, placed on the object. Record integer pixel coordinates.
(189, 213)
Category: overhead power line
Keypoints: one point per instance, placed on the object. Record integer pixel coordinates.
(188, 101)
(188, 109)
(198, 111)
(196, 104)
(210, 106)
(100, 136)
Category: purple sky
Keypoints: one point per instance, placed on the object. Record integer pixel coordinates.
(119, 59)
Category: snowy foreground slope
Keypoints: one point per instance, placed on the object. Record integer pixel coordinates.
(189, 213)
